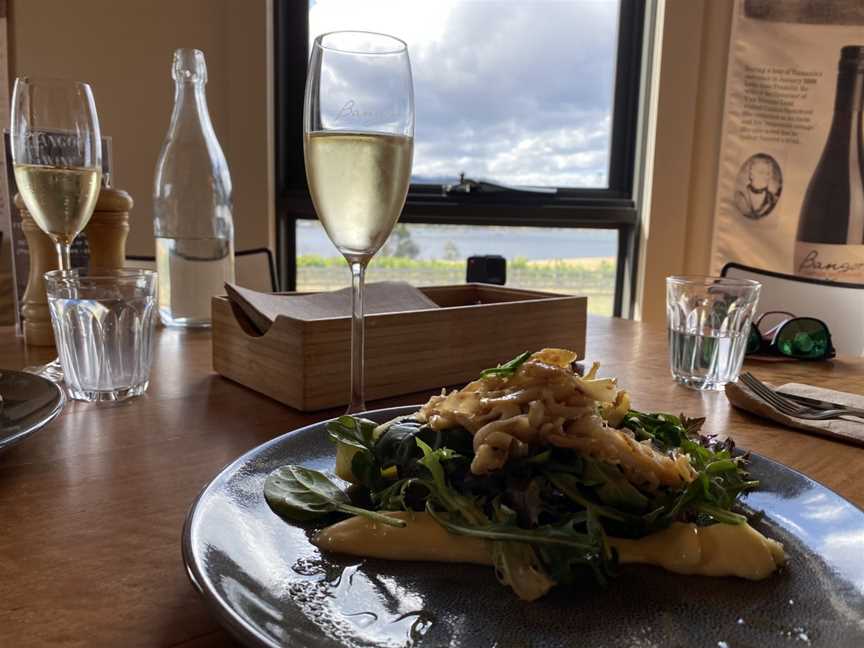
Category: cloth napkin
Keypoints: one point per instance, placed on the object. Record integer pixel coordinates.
(262, 309)
(849, 429)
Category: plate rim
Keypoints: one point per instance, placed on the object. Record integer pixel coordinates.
(232, 621)
(239, 627)
(7, 442)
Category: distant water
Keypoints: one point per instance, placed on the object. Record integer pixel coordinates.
(532, 243)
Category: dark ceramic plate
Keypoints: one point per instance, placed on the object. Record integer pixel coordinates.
(271, 587)
(28, 403)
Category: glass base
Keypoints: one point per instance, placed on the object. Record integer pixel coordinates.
(110, 395)
(52, 371)
(702, 384)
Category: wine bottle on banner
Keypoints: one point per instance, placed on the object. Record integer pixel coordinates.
(830, 241)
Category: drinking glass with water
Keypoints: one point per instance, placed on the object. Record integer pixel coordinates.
(103, 328)
(192, 206)
(708, 321)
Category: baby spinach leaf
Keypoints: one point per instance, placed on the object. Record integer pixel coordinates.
(366, 470)
(357, 433)
(353, 431)
(304, 494)
(398, 447)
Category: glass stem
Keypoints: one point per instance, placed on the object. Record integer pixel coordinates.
(63, 255)
(358, 337)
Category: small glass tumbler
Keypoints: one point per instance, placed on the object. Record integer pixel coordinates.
(103, 327)
(708, 321)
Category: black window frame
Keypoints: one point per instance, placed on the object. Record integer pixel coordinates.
(610, 208)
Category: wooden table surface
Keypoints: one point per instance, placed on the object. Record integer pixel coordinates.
(92, 506)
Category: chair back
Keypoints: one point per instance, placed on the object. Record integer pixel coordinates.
(254, 269)
(839, 305)
(141, 262)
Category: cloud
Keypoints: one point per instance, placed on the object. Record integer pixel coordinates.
(518, 92)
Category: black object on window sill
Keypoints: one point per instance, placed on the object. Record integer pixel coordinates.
(490, 269)
(470, 186)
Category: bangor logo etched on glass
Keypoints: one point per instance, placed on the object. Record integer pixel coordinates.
(352, 112)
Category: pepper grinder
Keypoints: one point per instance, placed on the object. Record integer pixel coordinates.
(106, 233)
(107, 230)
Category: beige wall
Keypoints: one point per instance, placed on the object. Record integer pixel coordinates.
(683, 157)
(124, 49)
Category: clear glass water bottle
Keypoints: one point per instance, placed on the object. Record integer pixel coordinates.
(192, 203)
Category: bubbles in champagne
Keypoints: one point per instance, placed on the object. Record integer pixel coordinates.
(358, 183)
(60, 199)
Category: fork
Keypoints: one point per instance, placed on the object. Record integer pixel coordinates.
(791, 408)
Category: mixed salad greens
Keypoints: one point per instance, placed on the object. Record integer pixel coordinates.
(547, 513)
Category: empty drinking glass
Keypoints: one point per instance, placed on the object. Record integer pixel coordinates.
(708, 321)
(103, 327)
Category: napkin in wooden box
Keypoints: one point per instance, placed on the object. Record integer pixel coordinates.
(262, 309)
(850, 430)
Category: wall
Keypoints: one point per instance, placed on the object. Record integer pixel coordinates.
(678, 214)
(124, 49)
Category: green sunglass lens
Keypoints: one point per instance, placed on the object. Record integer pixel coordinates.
(804, 338)
(754, 340)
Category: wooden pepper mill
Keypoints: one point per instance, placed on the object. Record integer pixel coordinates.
(108, 229)
(106, 233)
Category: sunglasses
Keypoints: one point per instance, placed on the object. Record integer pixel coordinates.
(782, 333)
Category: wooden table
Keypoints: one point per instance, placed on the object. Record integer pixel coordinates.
(92, 506)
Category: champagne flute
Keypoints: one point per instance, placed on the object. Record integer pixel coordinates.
(358, 142)
(57, 160)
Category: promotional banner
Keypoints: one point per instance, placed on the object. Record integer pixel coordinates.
(790, 191)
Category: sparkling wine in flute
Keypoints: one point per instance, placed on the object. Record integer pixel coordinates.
(57, 161)
(830, 241)
(60, 199)
(358, 183)
(358, 143)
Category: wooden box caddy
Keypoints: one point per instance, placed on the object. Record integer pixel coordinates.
(305, 364)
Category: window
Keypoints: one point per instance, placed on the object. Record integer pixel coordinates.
(534, 102)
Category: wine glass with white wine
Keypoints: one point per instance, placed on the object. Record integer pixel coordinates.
(358, 140)
(57, 159)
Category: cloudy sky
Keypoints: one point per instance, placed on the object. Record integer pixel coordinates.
(513, 91)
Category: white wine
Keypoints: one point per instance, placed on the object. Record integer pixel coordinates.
(191, 273)
(358, 183)
(60, 199)
(830, 240)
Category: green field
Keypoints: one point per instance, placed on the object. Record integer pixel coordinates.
(594, 278)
